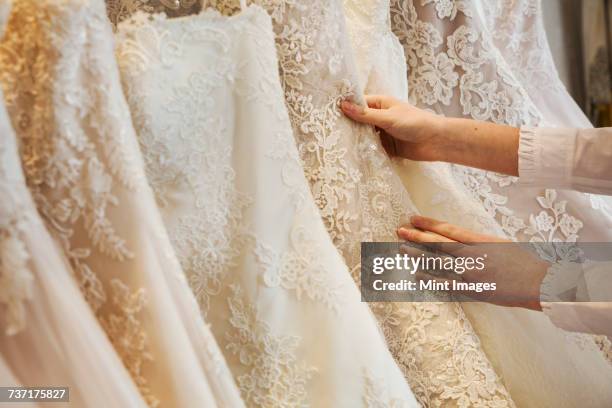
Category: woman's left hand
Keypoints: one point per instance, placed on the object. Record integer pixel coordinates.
(518, 273)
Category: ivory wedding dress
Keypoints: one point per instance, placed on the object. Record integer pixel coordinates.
(48, 334)
(361, 199)
(219, 151)
(517, 31)
(81, 162)
(455, 69)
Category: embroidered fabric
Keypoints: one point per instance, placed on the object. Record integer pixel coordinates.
(38, 344)
(219, 152)
(119, 10)
(358, 195)
(382, 68)
(83, 167)
(517, 30)
(455, 69)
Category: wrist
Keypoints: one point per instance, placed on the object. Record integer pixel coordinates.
(448, 144)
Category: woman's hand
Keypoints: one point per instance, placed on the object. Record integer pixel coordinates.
(406, 131)
(415, 134)
(518, 273)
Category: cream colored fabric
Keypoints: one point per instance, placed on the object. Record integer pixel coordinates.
(208, 106)
(84, 170)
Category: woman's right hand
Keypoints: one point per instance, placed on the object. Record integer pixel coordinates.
(406, 131)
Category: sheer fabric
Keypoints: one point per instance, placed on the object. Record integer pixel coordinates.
(206, 99)
(455, 69)
(517, 31)
(81, 163)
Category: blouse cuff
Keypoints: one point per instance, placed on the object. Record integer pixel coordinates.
(560, 282)
(545, 157)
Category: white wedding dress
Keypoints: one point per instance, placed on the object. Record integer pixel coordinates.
(455, 69)
(220, 155)
(361, 199)
(82, 164)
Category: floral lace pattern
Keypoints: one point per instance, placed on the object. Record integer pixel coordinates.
(15, 274)
(242, 169)
(66, 172)
(476, 81)
(354, 187)
(298, 269)
(119, 10)
(276, 378)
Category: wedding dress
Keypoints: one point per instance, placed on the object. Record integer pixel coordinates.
(82, 165)
(455, 69)
(517, 30)
(219, 152)
(38, 343)
(361, 199)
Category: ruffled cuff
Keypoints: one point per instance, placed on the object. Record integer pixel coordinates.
(561, 282)
(545, 157)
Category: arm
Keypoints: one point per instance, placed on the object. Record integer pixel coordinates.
(575, 296)
(483, 145)
(416, 134)
(555, 158)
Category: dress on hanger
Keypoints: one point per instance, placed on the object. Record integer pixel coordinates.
(358, 195)
(381, 67)
(455, 69)
(518, 32)
(82, 165)
(48, 334)
(220, 155)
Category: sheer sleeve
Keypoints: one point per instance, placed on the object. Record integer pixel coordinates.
(577, 159)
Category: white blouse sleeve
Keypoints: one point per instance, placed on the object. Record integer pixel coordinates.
(576, 297)
(576, 159)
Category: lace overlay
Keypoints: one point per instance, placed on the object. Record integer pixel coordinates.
(206, 99)
(83, 167)
(119, 10)
(352, 182)
(475, 81)
(276, 378)
(15, 274)
(69, 182)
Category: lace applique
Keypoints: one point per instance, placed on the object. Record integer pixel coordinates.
(298, 269)
(377, 394)
(73, 179)
(119, 10)
(274, 376)
(358, 195)
(437, 67)
(191, 153)
(466, 380)
(128, 336)
(526, 48)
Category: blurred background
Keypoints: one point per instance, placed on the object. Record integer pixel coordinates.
(579, 36)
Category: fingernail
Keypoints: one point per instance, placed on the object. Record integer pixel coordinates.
(402, 232)
(349, 107)
(415, 219)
